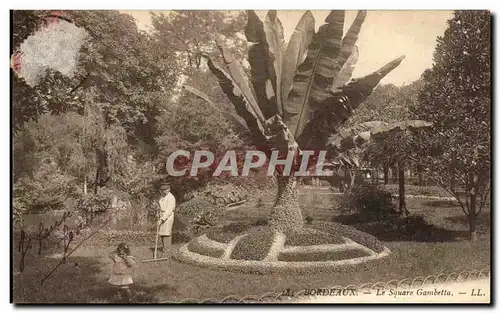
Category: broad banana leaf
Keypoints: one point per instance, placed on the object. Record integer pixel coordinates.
(241, 103)
(316, 74)
(351, 37)
(238, 76)
(379, 131)
(382, 132)
(236, 120)
(296, 51)
(276, 43)
(336, 139)
(254, 32)
(348, 53)
(346, 71)
(260, 63)
(340, 105)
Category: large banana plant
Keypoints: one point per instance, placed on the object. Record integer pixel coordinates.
(299, 93)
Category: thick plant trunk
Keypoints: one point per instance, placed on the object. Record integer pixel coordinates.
(401, 179)
(472, 227)
(386, 175)
(472, 218)
(286, 213)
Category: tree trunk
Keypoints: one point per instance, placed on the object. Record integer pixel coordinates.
(452, 182)
(420, 176)
(472, 218)
(401, 179)
(286, 213)
(386, 175)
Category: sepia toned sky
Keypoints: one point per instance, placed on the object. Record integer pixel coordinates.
(385, 35)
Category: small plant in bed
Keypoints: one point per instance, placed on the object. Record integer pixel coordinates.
(322, 256)
(223, 235)
(195, 246)
(357, 236)
(311, 236)
(255, 245)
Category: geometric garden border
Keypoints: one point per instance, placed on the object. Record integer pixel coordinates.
(270, 262)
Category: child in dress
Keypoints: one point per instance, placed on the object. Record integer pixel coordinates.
(121, 273)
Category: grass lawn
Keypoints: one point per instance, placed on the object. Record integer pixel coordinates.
(174, 281)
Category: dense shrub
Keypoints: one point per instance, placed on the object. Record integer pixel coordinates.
(202, 211)
(368, 200)
(47, 191)
(219, 195)
(200, 214)
(254, 246)
(18, 209)
(310, 236)
(182, 188)
(360, 237)
(99, 206)
(181, 230)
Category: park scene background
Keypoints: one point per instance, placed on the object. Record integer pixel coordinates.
(88, 152)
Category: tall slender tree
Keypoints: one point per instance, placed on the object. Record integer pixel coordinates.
(457, 98)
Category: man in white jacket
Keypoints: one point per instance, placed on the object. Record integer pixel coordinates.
(166, 218)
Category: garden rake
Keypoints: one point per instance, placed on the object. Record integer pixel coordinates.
(154, 259)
